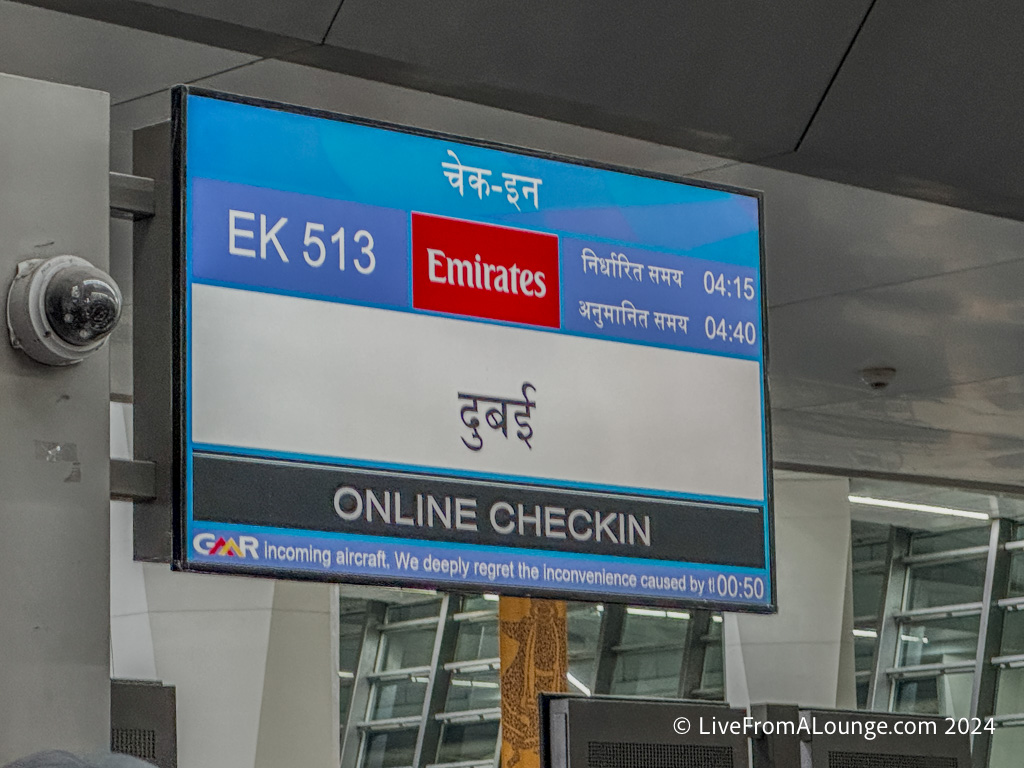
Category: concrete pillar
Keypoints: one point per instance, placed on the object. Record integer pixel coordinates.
(254, 662)
(299, 717)
(54, 437)
(255, 666)
(802, 655)
(210, 640)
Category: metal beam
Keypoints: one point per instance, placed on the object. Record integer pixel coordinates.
(153, 346)
(360, 702)
(990, 638)
(608, 637)
(879, 691)
(132, 480)
(781, 750)
(694, 651)
(131, 197)
(1012, 489)
(437, 683)
(948, 556)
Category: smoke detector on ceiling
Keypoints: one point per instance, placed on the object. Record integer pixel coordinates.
(877, 378)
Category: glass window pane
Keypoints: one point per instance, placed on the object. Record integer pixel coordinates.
(467, 741)
(477, 640)
(345, 688)
(872, 552)
(650, 626)
(584, 622)
(390, 749)
(1010, 693)
(862, 694)
(476, 690)
(406, 648)
(1007, 747)
(946, 583)
(943, 542)
(867, 592)
(864, 652)
(1013, 634)
(948, 695)
(648, 673)
(938, 641)
(1016, 574)
(582, 669)
(412, 611)
(398, 698)
(350, 642)
(351, 624)
(480, 603)
(713, 676)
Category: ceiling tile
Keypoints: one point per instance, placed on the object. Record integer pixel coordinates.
(929, 103)
(124, 62)
(301, 19)
(791, 392)
(259, 27)
(868, 445)
(993, 407)
(298, 84)
(822, 237)
(936, 332)
(733, 78)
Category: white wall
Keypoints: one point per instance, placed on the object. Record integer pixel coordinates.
(803, 654)
(253, 661)
(54, 456)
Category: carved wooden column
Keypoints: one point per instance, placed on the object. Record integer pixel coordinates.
(534, 660)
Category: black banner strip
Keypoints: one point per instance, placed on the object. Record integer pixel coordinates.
(284, 494)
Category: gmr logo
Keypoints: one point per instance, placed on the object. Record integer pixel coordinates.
(208, 544)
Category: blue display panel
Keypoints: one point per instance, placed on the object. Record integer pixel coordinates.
(414, 359)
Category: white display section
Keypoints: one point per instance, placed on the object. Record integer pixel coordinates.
(382, 389)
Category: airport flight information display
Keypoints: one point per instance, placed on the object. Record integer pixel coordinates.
(412, 359)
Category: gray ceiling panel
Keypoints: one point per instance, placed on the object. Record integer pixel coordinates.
(916, 99)
(260, 27)
(855, 277)
(295, 83)
(823, 440)
(125, 62)
(824, 238)
(791, 392)
(929, 103)
(994, 407)
(734, 78)
(301, 19)
(937, 332)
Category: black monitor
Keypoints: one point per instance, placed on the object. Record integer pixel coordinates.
(789, 737)
(624, 732)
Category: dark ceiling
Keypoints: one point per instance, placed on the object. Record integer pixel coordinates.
(922, 99)
(825, 107)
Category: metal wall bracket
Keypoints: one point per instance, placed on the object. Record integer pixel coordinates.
(132, 480)
(131, 197)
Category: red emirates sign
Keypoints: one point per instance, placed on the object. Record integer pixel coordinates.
(482, 270)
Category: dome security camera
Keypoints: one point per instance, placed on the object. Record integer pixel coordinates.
(62, 309)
